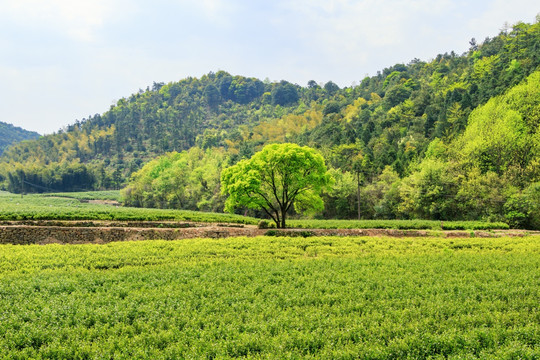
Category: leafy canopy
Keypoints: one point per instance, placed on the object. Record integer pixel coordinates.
(275, 179)
(187, 180)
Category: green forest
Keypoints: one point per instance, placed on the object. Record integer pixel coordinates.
(10, 134)
(453, 138)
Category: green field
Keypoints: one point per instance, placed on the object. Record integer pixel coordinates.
(88, 195)
(270, 298)
(39, 207)
(66, 206)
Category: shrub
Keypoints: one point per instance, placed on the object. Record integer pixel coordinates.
(263, 224)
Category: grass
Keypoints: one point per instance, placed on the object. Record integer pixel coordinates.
(268, 298)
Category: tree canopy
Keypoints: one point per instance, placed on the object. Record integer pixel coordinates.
(187, 180)
(275, 179)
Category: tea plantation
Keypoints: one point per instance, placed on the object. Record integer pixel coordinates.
(68, 206)
(273, 297)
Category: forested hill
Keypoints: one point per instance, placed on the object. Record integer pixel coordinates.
(388, 120)
(10, 134)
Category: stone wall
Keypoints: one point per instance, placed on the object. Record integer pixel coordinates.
(25, 234)
(81, 235)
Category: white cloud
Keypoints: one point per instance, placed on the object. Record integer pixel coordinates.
(377, 23)
(213, 7)
(500, 12)
(78, 19)
(365, 36)
(217, 12)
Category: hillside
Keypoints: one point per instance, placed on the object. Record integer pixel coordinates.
(10, 134)
(378, 135)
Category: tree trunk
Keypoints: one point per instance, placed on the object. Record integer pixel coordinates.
(278, 220)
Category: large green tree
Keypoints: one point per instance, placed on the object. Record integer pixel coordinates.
(275, 179)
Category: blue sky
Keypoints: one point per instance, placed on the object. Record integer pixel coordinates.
(62, 60)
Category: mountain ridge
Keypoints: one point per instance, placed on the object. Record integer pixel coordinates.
(11, 134)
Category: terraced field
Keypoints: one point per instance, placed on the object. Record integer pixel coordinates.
(39, 207)
(68, 206)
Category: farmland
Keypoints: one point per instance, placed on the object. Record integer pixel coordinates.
(39, 207)
(87, 195)
(266, 297)
(67, 206)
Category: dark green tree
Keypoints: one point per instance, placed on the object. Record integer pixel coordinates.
(284, 93)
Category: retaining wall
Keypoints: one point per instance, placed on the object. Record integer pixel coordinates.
(24, 234)
(80, 235)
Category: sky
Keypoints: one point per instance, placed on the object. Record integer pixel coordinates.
(63, 60)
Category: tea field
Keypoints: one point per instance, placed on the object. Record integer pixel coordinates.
(273, 297)
(67, 206)
(40, 207)
(87, 195)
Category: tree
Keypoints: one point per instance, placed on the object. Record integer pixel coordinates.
(212, 95)
(397, 94)
(350, 157)
(275, 179)
(331, 88)
(284, 93)
(340, 201)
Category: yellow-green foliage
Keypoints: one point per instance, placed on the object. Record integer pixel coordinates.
(484, 67)
(481, 173)
(276, 178)
(186, 180)
(397, 224)
(269, 298)
(284, 128)
(503, 134)
(88, 195)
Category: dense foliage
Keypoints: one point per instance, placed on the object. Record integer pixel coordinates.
(186, 180)
(10, 134)
(397, 224)
(268, 298)
(490, 170)
(277, 178)
(451, 138)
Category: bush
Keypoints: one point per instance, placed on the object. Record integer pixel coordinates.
(263, 224)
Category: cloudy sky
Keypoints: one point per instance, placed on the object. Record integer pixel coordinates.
(62, 60)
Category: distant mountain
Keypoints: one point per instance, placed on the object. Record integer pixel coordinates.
(10, 134)
(391, 121)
